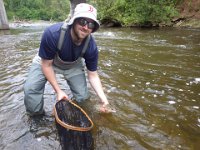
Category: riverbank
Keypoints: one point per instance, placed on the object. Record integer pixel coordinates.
(189, 14)
(178, 22)
(188, 17)
(189, 23)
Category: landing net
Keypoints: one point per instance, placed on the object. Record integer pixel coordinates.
(73, 126)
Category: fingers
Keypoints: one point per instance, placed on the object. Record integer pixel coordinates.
(61, 95)
(65, 97)
(107, 109)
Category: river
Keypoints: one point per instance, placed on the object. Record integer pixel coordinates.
(150, 76)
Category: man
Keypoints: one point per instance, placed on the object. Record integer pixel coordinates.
(77, 43)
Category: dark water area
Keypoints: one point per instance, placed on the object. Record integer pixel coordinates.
(150, 76)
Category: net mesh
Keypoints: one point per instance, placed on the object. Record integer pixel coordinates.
(73, 126)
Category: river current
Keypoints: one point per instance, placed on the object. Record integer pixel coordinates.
(150, 76)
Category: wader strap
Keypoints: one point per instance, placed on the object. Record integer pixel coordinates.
(85, 46)
(62, 35)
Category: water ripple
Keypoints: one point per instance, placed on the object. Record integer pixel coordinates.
(151, 77)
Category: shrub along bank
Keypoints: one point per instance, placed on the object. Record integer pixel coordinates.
(146, 13)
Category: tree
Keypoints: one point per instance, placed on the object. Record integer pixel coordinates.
(3, 17)
(39, 9)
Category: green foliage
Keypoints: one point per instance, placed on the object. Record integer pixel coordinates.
(126, 12)
(129, 12)
(37, 10)
(110, 9)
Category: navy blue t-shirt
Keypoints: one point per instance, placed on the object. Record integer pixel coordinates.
(69, 51)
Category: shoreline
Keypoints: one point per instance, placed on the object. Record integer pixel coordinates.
(189, 23)
(192, 23)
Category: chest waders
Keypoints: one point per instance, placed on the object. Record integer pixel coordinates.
(64, 65)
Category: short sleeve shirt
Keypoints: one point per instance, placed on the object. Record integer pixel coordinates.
(69, 51)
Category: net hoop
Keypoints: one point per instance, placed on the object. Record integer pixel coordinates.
(63, 124)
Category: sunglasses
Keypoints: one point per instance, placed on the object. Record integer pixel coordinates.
(82, 22)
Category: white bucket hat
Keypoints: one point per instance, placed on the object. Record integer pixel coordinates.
(86, 11)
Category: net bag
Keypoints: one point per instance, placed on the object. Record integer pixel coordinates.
(73, 126)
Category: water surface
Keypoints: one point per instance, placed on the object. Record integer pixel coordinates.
(151, 78)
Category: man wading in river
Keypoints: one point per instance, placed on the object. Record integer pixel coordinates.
(65, 58)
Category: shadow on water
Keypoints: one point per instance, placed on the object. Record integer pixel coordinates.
(151, 78)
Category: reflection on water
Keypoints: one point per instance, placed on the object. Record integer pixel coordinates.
(151, 77)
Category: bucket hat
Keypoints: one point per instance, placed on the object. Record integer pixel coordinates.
(84, 10)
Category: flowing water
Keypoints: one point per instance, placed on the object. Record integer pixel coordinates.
(150, 76)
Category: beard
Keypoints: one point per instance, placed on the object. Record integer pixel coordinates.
(80, 33)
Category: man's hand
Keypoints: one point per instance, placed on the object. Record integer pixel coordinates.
(62, 95)
(105, 108)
